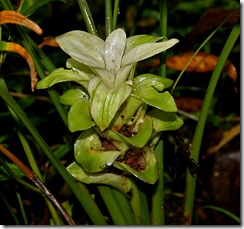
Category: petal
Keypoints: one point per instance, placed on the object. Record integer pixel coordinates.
(63, 75)
(163, 121)
(144, 51)
(114, 50)
(122, 183)
(83, 47)
(79, 117)
(149, 174)
(70, 96)
(105, 101)
(134, 41)
(148, 91)
(90, 154)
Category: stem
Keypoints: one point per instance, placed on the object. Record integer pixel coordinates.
(124, 206)
(108, 17)
(86, 13)
(157, 212)
(163, 31)
(115, 14)
(112, 205)
(157, 217)
(22, 209)
(197, 139)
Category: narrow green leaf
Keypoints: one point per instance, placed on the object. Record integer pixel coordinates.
(4, 175)
(28, 7)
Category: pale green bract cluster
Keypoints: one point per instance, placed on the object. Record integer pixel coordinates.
(110, 106)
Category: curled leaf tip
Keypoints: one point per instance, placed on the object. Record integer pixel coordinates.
(10, 16)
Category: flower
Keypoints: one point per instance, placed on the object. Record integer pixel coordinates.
(110, 104)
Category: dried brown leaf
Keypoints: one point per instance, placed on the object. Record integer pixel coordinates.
(9, 16)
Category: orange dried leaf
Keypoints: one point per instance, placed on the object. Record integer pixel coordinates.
(9, 16)
(227, 137)
(202, 62)
(48, 41)
(13, 47)
(189, 104)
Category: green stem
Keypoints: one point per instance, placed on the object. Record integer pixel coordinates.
(86, 13)
(197, 139)
(124, 206)
(108, 17)
(157, 215)
(112, 205)
(22, 209)
(163, 31)
(81, 191)
(115, 14)
(145, 209)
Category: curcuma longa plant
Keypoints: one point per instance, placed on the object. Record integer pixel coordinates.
(121, 116)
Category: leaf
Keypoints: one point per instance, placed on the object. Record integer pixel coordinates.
(202, 62)
(189, 103)
(48, 41)
(144, 51)
(122, 183)
(4, 175)
(9, 16)
(105, 102)
(13, 47)
(79, 117)
(90, 154)
(83, 47)
(163, 121)
(114, 50)
(28, 7)
(63, 75)
(147, 88)
(227, 137)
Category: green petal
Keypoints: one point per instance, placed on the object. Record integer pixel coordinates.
(79, 117)
(78, 67)
(144, 51)
(70, 96)
(147, 91)
(149, 174)
(122, 183)
(163, 121)
(63, 75)
(83, 47)
(105, 102)
(142, 135)
(114, 50)
(90, 154)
